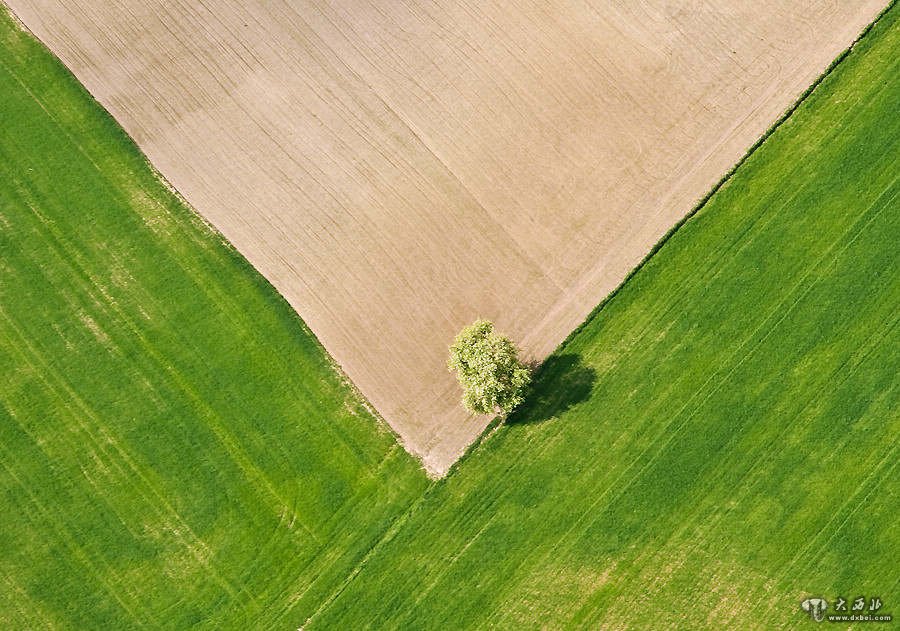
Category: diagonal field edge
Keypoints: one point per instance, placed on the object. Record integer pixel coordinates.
(490, 429)
(595, 313)
(408, 384)
(207, 225)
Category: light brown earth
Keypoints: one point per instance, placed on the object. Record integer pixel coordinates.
(398, 168)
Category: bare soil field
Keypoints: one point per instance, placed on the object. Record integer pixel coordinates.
(397, 169)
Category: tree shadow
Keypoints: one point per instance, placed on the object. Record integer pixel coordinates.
(558, 384)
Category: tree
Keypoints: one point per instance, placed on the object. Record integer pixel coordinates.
(488, 368)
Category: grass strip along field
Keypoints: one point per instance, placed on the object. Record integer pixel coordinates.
(720, 440)
(175, 445)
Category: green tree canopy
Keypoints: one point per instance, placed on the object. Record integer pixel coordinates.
(488, 368)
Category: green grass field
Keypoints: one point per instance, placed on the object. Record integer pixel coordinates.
(175, 444)
(718, 442)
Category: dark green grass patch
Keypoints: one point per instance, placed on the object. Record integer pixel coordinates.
(719, 441)
(175, 446)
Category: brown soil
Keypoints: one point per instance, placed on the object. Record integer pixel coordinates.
(397, 169)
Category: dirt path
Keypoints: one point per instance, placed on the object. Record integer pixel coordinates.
(397, 169)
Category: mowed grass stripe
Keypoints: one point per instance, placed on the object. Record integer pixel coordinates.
(177, 449)
(736, 448)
